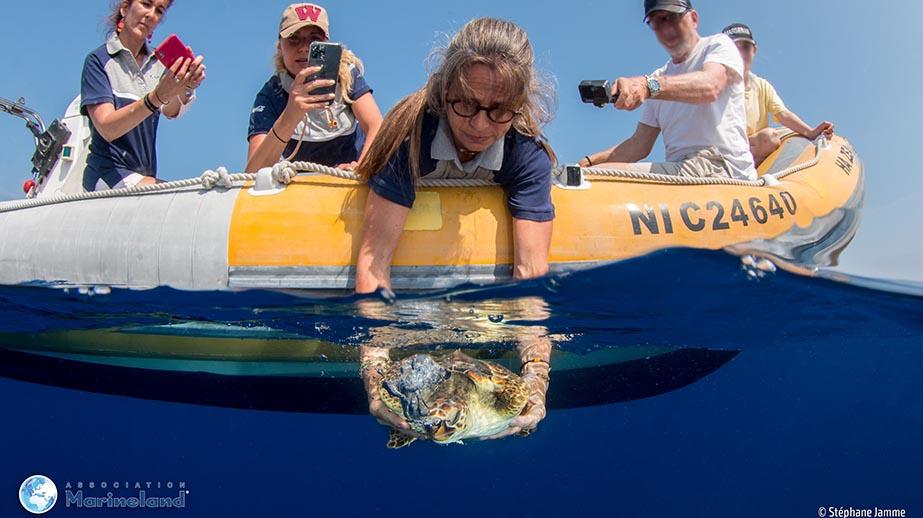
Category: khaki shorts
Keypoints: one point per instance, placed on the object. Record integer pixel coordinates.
(706, 163)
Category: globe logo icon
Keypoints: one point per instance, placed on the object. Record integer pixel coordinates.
(38, 494)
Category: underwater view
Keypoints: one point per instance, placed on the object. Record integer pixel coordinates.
(799, 393)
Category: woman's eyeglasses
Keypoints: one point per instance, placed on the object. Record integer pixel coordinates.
(468, 109)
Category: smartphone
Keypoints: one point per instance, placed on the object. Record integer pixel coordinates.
(326, 56)
(171, 50)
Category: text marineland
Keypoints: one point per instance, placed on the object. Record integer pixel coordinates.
(860, 512)
(138, 495)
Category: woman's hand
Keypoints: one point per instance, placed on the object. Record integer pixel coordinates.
(371, 360)
(535, 354)
(349, 166)
(301, 99)
(185, 75)
(196, 73)
(382, 226)
(535, 376)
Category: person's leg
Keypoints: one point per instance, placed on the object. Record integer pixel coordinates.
(133, 180)
(763, 143)
(705, 163)
(668, 168)
(695, 166)
(147, 180)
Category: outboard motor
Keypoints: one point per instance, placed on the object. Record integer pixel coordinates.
(49, 142)
(60, 148)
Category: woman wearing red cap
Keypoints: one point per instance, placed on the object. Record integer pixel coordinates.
(289, 121)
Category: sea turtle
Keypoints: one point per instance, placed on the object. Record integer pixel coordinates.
(450, 397)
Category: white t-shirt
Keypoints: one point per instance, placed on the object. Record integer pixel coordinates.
(688, 127)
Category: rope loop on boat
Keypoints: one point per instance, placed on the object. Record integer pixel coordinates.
(217, 178)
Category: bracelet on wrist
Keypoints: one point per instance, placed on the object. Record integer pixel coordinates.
(589, 163)
(274, 134)
(149, 105)
(536, 360)
(161, 101)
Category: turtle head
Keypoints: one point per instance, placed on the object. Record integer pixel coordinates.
(447, 420)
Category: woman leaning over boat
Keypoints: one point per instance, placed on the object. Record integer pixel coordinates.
(124, 89)
(289, 121)
(479, 116)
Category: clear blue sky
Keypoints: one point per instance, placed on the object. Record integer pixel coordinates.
(854, 62)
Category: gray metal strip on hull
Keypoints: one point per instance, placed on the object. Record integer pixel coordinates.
(412, 278)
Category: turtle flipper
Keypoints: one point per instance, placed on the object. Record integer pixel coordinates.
(510, 391)
(398, 439)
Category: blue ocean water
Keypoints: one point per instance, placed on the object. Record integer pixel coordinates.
(785, 394)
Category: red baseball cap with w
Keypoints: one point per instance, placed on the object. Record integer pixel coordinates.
(297, 16)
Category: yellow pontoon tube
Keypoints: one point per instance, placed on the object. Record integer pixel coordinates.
(308, 235)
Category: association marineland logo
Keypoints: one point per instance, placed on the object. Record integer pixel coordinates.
(38, 494)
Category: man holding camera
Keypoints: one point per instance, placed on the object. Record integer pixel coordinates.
(696, 100)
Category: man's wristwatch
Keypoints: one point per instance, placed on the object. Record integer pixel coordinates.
(653, 86)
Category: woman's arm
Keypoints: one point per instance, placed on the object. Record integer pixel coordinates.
(265, 149)
(531, 241)
(113, 124)
(535, 360)
(369, 116)
(381, 231)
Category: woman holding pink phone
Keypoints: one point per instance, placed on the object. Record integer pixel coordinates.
(124, 89)
(292, 116)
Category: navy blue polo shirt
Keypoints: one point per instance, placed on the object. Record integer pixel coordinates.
(112, 75)
(524, 171)
(321, 143)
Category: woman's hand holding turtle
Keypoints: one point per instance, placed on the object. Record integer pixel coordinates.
(371, 360)
(536, 377)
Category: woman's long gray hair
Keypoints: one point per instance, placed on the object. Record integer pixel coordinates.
(499, 44)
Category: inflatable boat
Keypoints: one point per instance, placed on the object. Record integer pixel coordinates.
(255, 232)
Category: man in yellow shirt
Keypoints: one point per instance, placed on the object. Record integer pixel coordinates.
(762, 102)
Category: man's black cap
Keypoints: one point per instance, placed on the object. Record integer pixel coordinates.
(673, 6)
(739, 32)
